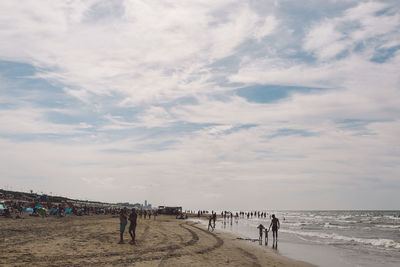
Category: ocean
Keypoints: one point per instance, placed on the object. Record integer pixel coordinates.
(330, 238)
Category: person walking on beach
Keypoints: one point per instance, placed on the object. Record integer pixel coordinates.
(155, 214)
(132, 226)
(210, 219)
(214, 218)
(123, 221)
(261, 228)
(275, 226)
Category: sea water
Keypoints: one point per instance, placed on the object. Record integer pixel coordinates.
(330, 238)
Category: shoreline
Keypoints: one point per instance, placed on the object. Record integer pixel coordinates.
(329, 239)
(247, 240)
(92, 240)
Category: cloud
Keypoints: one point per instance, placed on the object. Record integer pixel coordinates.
(28, 120)
(336, 35)
(144, 50)
(125, 100)
(325, 41)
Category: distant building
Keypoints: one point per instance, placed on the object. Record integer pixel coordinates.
(137, 205)
(146, 205)
(123, 204)
(169, 210)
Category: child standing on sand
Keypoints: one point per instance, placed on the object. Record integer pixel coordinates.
(123, 221)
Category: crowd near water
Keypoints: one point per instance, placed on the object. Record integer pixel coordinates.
(326, 238)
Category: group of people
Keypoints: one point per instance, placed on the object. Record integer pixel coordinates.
(275, 225)
(123, 217)
(256, 214)
(144, 213)
(16, 208)
(132, 217)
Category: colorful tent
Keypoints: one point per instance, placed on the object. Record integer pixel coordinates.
(41, 211)
(30, 210)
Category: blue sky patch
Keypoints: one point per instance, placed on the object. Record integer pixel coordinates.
(271, 93)
(383, 55)
(20, 84)
(289, 132)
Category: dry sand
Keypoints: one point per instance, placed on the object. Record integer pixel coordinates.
(92, 241)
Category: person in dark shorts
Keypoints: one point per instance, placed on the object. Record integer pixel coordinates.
(132, 226)
(261, 229)
(123, 221)
(275, 226)
(214, 218)
(210, 219)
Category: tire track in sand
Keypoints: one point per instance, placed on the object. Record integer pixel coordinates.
(218, 244)
(173, 251)
(61, 258)
(250, 255)
(170, 253)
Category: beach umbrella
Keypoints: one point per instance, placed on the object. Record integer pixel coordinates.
(68, 211)
(38, 207)
(41, 211)
(30, 210)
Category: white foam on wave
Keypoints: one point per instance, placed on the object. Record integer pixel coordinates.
(393, 217)
(346, 221)
(389, 226)
(329, 225)
(380, 242)
(344, 217)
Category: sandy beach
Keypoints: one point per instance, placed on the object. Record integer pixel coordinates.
(92, 241)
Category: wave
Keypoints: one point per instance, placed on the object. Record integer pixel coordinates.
(330, 225)
(393, 217)
(389, 226)
(380, 242)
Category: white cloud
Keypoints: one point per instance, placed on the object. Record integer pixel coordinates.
(28, 120)
(269, 25)
(281, 72)
(335, 35)
(128, 61)
(155, 116)
(146, 51)
(325, 41)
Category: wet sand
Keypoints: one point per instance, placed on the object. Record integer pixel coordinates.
(93, 241)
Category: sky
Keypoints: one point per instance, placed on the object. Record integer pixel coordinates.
(224, 105)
